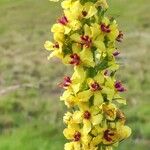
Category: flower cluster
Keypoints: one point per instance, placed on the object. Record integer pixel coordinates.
(85, 38)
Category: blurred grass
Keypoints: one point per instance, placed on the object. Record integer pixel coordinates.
(30, 111)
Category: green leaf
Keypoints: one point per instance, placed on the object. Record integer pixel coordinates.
(91, 72)
(103, 65)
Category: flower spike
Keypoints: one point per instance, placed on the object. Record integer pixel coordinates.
(85, 38)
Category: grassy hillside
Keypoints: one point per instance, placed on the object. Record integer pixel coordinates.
(30, 111)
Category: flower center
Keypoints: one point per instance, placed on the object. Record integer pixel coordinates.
(77, 136)
(105, 28)
(84, 13)
(120, 37)
(106, 73)
(86, 40)
(75, 59)
(56, 45)
(120, 115)
(63, 20)
(108, 135)
(116, 53)
(66, 82)
(119, 87)
(95, 86)
(87, 115)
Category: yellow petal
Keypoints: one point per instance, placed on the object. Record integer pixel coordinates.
(66, 4)
(102, 3)
(97, 140)
(77, 78)
(48, 45)
(69, 146)
(71, 101)
(98, 98)
(59, 37)
(77, 146)
(87, 30)
(110, 111)
(75, 37)
(75, 25)
(114, 31)
(66, 59)
(80, 72)
(109, 82)
(75, 87)
(94, 110)
(109, 92)
(124, 132)
(97, 119)
(86, 139)
(96, 32)
(55, 54)
(88, 60)
(76, 9)
(90, 81)
(119, 99)
(57, 28)
(100, 45)
(90, 8)
(67, 30)
(86, 126)
(65, 95)
(77, 117)
(99, 78)
(76, 48)
(83, 106)
(68, 133)
(67, 117)
(106, 21)
(85, 95)
(113, 66)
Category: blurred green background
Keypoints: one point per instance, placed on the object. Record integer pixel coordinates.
(30, 111)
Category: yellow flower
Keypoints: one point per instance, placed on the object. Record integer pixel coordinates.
(67, 117)
(75, 11)
(112, 91)
(69, 98)
(88, 10)
(102, 3)
(60, 29)
(74, 83)
(91, 37)
(78, 58)
(74, 133)
(109, 29)
(88, 116)
(63, 26)
(95, 90)
(56, 49)
(72, 9)
(110, 111)
(111, 136)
